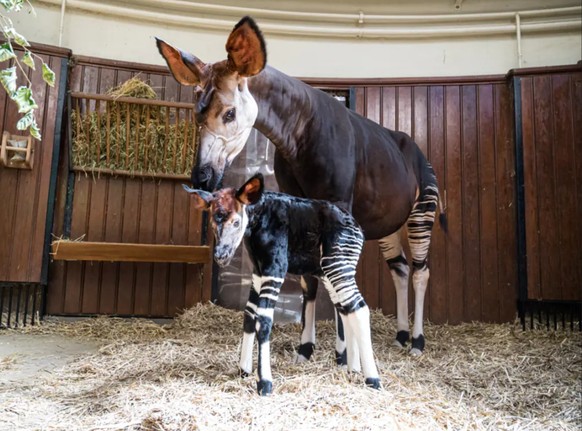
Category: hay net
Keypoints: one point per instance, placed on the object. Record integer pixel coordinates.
(128, 136)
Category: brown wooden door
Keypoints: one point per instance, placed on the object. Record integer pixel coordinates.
(550, 104)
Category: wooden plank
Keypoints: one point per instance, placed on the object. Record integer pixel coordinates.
(129, 234)
(146, 234)
(437, 293)
(125, 252)
(43, 167)
(404, 106)
(455, 255)
(546, 188)
(113, 220)
(506, 204)
(470, 204)
(565, 169)
(133, 100)
(179, 235)
(487, 205)
(530, 190)
(420, 120)
(161, 272)
(576, 89)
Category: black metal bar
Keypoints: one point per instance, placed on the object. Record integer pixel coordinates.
(34, 305)
(1, 304)
(520, 194)
(9, 305)
(50, 213)
(26, 304)
(18, 300)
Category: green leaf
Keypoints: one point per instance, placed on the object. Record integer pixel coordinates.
(35, 131)
(28, 60)
(8, 79)
(6, 51)
(12, 5)
(18, 38)
(23, 98)
(48, 75)
(26, 121)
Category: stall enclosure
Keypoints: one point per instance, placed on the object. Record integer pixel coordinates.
(504, 149)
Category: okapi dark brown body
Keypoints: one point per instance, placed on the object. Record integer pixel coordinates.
(323, 151)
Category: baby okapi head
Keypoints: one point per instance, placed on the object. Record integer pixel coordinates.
(228, 215)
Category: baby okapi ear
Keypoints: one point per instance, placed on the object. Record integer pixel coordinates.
(247, 54)
(186, 68)
(202, 199)
(252, 190)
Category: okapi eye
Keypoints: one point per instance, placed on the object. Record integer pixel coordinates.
(236, 223)
(229, 115)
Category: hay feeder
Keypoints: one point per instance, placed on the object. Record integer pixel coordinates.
(17, 151)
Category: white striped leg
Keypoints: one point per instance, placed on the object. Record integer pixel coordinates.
(340, 340)
(268, 296)
(352, 346)
(393, 253)
(359, 323)
(420, 225)
(307, 346)
(246, 354)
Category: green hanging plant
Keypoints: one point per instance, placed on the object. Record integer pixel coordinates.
(22, 95)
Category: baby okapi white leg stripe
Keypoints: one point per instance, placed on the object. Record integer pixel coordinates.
(266, 278)
(266, 312)
(246, 353)
(256, 283)
(359, 321)
(308, 335)
(265, 362)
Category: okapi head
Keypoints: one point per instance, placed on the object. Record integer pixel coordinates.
(225, 109)
(228, 215)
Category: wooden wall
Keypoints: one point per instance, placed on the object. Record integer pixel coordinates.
(551, 125)
(24, 194)
(123, 209)
(466, 129)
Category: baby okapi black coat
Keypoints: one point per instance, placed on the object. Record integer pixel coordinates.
(285, 234)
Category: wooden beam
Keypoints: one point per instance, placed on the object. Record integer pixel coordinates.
(124, 252)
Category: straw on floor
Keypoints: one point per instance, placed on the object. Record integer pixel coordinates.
(183, 376)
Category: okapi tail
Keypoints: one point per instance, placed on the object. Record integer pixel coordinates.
(443, 216)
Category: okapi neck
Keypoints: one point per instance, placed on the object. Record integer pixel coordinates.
(285, 109)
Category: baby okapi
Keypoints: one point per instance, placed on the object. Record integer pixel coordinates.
(300, 236)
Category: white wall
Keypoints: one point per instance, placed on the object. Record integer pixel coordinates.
(122, 38)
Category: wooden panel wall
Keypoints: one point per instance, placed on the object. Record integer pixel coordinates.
(24, 194)
(551, 102)
(466, 130)
(122, 209)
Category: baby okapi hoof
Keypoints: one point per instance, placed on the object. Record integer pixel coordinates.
(242, 373)
(417, 345)
(401, 339)
(341, 358)
(305, 351)
(373, 382)
(264, 387)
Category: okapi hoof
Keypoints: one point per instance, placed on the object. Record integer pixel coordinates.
(401, 339)
(243, 374)
(264, 387)
(417, 345)
(341, 358)
(373, 382)
(304, 352)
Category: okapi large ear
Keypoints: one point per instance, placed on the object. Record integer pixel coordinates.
(186, 68)
(247, 54)
(252, 190)
(202, 199)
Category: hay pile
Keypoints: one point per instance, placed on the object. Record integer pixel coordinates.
(183, 376)
(142, 138)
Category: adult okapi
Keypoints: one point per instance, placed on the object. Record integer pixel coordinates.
(323, 151)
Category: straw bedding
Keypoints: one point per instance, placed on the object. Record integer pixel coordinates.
(183, 376)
